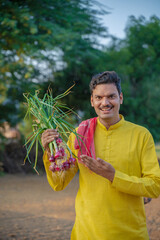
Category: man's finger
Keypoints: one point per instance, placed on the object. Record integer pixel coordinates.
(85, 157)
(50, 132)
(87, 161)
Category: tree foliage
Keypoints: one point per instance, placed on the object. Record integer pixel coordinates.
(137, 60)
(54, 43)
(40, 42)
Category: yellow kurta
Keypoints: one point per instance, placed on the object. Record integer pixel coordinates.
(111, 211)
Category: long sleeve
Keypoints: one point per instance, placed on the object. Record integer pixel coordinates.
(57, 180)
(148, 184)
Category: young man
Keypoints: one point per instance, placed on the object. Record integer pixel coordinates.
(118, 170)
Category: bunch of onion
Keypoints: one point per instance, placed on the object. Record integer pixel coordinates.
(51, 113)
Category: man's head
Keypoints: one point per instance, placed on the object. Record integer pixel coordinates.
(105, 77)
(106, 97)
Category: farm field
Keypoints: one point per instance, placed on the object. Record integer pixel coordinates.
(31, 210)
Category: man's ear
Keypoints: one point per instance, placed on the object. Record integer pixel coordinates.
(92, 101)
(121, 98)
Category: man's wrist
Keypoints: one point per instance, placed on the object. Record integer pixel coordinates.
(48, 152)
(109, 174)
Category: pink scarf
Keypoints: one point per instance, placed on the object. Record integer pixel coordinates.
(86, 129)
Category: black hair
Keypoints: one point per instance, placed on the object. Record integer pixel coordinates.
(104, 78)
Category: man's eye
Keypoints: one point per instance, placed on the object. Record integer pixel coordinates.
(98, 97)
(112, 96)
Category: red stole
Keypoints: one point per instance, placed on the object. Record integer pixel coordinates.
(86, 129)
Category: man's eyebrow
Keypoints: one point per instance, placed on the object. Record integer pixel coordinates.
(109, 95)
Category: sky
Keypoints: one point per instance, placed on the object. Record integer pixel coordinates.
(122, 9)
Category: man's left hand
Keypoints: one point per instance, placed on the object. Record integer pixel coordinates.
(99, 166)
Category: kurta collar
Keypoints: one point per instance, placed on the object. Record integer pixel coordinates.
(112, 127)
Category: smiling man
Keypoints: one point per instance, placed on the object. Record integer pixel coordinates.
(106, 100)
(118, 168)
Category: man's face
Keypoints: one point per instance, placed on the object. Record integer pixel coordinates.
(106, 101)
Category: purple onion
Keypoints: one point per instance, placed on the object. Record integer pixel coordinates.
(58, 140)
(57, 169)
(72, 160)
(62, 168)
(52, 166)
(52, 159)
(58, 154)
(66, 165)
(61, 150)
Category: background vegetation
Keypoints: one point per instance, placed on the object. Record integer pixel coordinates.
(56, 43)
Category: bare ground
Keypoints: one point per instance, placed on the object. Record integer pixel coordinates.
(31, 210)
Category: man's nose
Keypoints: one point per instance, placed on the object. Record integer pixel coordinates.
(105, 101)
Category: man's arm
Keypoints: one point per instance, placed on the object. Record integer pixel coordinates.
(57, 180)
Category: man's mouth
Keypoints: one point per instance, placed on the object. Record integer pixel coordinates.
(106, 109)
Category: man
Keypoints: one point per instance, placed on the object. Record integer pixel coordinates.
(119, 168)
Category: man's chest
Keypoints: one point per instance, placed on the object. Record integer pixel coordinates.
(122, 152)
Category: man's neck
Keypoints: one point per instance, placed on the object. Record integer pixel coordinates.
(107, 124)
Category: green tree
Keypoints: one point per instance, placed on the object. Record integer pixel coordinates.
(44, 42)
(137, 60)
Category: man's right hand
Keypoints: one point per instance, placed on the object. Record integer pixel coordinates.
(48, 136)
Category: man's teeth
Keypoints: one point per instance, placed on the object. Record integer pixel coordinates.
(106, 109)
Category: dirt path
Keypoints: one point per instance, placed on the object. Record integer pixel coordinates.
(31, 210)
